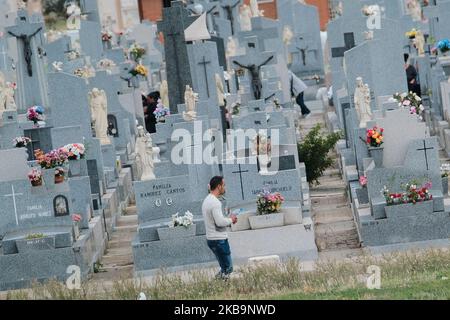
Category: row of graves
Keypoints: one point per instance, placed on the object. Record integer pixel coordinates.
(70, 107)
(390, 154)
(256, 153)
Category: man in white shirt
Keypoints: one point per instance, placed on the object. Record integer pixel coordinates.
(216, 226)
(298, 88)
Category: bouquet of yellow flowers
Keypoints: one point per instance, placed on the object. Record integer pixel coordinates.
(140, 70)
(411, 34)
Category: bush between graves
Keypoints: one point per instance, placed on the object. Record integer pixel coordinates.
(314, 152)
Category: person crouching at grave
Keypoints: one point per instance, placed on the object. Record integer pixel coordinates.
(216, 227)
(411, 75)
(298, 88)
(150, 107)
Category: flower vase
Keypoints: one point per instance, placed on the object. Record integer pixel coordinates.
(36, 183)
(377, 155)
(59, 179)
(107, 45)
(74, 168)
(49, 177)
(135, 82)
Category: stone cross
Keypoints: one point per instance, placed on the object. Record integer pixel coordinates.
(203, 63)
(425, 150)
(13, 196)
(349, 42)
(31, 78)
(175, 21)
(240, 172)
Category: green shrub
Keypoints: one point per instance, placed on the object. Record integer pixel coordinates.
(314, 152)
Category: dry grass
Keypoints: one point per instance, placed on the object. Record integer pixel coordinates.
(398, 270)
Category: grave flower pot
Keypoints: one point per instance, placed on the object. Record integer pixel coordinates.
(377, 155)
(267, 221)
(409, 209)
(74, 168)
(176, 233)
(36, 183)
(59, 179)
(445, 186)
(49, 177)
(24, 245)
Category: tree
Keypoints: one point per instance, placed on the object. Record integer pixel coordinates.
(314, 152)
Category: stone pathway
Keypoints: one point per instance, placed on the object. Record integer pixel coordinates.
(117, 263)
(336, 234)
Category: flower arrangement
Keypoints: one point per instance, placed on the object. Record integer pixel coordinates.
(75, 151)
(72, 55)
(184, 221)
(53, 159)
(106, 36)
(35, 177)
(35, 114)
(139, 70)
(76, 218)
(370, 10)
(412, 33)
(443, 46)
(161, 112)
(411, 101)
(363, 181)
(375, 137)
(445, 170)
(21, 142)
(137, 52)
(106, 64)
(412, 194)
(84, 72)
(268, 203)
(34, 236)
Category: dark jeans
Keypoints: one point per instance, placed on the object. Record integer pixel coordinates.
(301, 102)
(221, 249)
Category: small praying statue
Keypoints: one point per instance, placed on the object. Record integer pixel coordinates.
(99, 112)
(190, 99)
(144, 155)
(254, 7)
(6, 95)
(362, 102)
(419, 42)
(287, 35)
(231, 47)
(414, 9)
(74, 19)
(220, 91)
(245, 18)
(164, 91)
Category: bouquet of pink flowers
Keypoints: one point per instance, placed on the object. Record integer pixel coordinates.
(53, 159)
(35, 114)
(269, 203)
(75, 151)
(76, 218)
(411, 101)
(35, 177)
(161, 112)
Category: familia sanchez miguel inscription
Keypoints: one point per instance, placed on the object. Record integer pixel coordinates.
(272, 187)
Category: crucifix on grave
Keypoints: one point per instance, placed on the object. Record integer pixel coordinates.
(31, 78)
(175, 20)
(13, 196)
(303, 47)
(253, 61)
(230, 9)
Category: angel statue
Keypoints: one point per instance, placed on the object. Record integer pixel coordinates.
(99, 112)
(144, 155)
(190, 99)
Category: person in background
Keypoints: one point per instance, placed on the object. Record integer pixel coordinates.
(216, 227)
(411, 75)
(298, 88)
(150, 104)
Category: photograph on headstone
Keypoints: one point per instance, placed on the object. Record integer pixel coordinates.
(224, 149)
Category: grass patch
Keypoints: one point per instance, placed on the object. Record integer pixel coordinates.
(412, 275)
